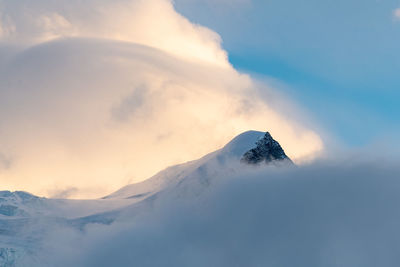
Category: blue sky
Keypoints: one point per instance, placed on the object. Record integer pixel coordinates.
(339, 59)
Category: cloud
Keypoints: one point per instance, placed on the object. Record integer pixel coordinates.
(5, 162)
(100, 93)
(152, 22)
(130, 104)
(396, 13)
(332, 212)
(63, 193)
(230, 3)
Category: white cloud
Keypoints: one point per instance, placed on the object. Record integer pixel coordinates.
(396, 13)
(131, 88)
(151, 22)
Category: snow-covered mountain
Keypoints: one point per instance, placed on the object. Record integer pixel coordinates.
(25, 218)
(226, 157)
(225, 209)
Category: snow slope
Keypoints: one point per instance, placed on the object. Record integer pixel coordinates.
(231, 152)
(25, 218)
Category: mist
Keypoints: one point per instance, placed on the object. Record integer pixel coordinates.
(327, 214)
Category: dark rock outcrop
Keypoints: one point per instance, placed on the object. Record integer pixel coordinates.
(267, 150)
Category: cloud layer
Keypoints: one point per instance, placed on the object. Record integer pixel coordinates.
(329, 214)
(97, 94)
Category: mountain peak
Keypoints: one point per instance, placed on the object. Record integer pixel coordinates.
(267, 150)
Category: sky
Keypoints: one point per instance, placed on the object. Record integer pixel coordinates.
(98, 94)
(339, 58)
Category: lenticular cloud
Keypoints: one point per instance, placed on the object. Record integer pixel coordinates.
(97, 94)
(149, 22)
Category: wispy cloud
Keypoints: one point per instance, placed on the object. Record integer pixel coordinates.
(5, 162)
(396, 14)
(63, 193)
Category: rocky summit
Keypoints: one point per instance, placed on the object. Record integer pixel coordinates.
(267, 150)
